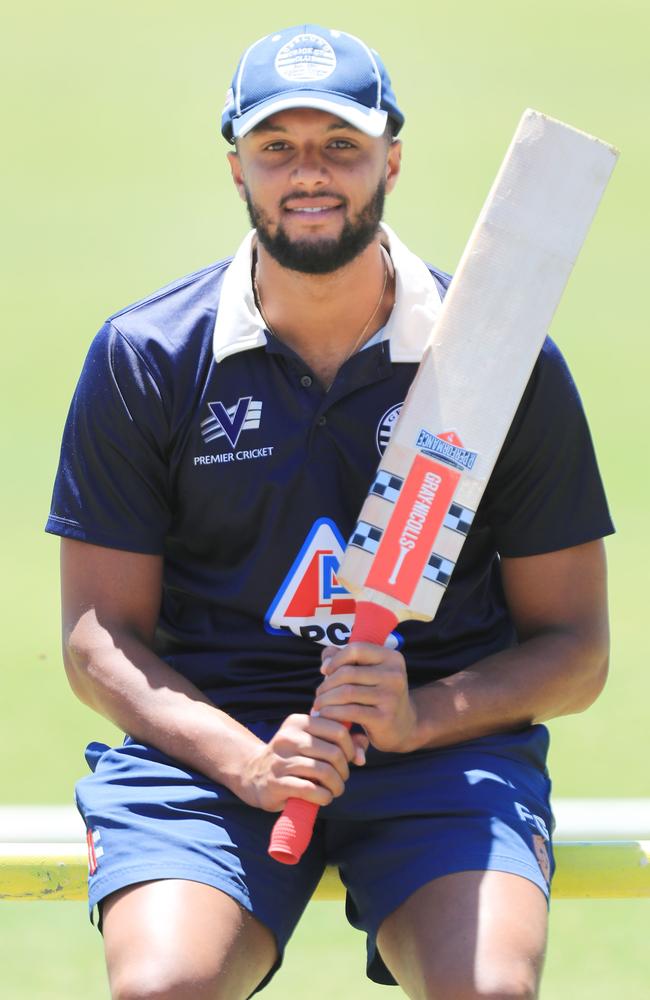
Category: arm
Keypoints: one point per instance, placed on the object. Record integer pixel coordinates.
(558, 604)
(110, 606)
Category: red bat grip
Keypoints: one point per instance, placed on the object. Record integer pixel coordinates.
(372, 623)
(292, 832)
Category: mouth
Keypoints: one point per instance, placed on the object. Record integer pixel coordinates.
(313, 209)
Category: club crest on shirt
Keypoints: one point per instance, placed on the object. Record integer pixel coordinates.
(311, 602)
(386, 426)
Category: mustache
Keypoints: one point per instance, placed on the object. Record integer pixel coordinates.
(299, 195)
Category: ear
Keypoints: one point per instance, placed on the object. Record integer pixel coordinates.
(237, 174)
(393, 164)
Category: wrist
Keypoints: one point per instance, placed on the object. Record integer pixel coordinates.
(232, 759)
(423, 731)
(411, 730)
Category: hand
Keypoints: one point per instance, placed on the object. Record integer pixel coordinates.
(307, 758)
(368, 685)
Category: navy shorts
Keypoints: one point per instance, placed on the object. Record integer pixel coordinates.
(402, 821)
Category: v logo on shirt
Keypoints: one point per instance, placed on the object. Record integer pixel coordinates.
(244, 415)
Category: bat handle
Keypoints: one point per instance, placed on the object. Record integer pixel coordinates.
(292, 832)
(372, 623)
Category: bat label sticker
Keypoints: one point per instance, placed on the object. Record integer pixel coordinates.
(448, 448)
(421, 508)
(416, 520)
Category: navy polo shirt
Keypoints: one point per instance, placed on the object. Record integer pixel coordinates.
(195, 435)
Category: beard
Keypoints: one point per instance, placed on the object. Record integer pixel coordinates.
(320, 256)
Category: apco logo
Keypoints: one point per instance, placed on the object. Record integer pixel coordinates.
(386, 426)
(311, 603)
(245, 415)
(447, 448)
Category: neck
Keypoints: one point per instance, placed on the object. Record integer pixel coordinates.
(325, 318)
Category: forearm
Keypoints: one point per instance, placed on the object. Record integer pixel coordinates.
(118, 675)
(552, 674)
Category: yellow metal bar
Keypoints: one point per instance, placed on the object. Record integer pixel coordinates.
(43, 871)
(612, 870)
(606, 870)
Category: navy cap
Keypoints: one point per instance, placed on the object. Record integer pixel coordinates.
(310, 67)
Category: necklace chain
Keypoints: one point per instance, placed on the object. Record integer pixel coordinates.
(366, 327)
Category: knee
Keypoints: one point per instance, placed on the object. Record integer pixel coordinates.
(515, 980)
(159, 983)
(510, 983)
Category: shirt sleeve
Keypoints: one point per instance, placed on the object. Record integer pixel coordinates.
(111, 486)
(546, 492)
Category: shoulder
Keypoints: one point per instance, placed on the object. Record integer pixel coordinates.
(550, 418)
(551, 382)
(167, 321)
(164, 334)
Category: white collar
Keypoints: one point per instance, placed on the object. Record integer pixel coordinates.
(239, 325)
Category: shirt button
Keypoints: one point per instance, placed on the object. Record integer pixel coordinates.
(306, 381)
(322, 421)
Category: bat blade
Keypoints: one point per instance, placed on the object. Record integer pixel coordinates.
(475, 367)
(461, 403)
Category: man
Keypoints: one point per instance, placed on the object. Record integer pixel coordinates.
(219, 446)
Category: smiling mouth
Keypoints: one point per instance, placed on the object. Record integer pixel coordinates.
(313, 210)
(312, 207)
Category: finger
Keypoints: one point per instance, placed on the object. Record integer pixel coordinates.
(348, 694)
(333, 732)
(330, 753)
(361, 744)
(348, 674)
(357, 653)
(295, 731)
(317, 771)
(354, 713)
(293, 787)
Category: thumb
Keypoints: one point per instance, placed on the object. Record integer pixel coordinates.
(361, 743)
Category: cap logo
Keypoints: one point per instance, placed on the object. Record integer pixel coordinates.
(305, 58)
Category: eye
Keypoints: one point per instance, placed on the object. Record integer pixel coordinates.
(341, 144)
(277, 146)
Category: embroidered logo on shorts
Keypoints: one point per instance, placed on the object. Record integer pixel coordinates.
(541, 853)
(535, 822)
(95, 849)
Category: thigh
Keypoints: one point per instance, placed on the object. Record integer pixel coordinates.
(181, 939)
(467, 936)
(408, 823)
(187, 861)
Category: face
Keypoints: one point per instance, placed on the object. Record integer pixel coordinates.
(314, 187)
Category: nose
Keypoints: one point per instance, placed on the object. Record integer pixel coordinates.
(309, 170)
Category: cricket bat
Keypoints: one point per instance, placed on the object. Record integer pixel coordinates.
(473, 373)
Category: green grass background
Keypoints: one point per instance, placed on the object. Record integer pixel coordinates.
(115, 182)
